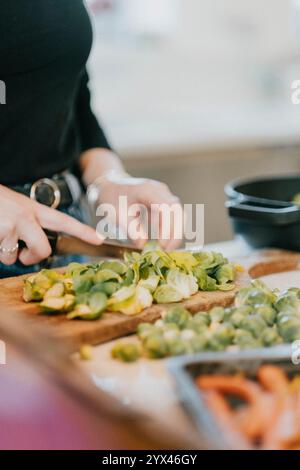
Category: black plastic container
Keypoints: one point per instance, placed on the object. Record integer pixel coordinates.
(186, 368)
(262, 211)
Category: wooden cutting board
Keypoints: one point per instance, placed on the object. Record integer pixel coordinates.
(115, 325)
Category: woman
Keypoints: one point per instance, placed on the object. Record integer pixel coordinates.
(51, 144)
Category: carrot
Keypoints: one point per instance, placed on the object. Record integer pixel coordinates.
(225, 418)
(235, 385)
(284, 429)
(273, 379)
(245, 389)
(254, 419)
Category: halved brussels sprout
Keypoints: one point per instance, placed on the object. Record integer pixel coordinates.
(118, 267)
(267, 312)
(289, 328)
(255, 324)
(177, 346)
(178, 315)
(58, 304)
(130, 300)
(184, 260)
(270, 336)
(186, 284)
(126, 352)
(165, 294)
(221, 337)
(150, 283)
(57, 290)
(35, 286)
(155, 346)
(225, 274)
(106, 275)
(83, 282)
(217, 314)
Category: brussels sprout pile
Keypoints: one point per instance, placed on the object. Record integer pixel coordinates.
(259, 317)
(128, 286)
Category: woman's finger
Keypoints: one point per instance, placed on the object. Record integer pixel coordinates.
(167, 220)
(60, 222)
(37, 245)
(9, 248)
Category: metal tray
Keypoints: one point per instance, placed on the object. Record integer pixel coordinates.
(186, 368)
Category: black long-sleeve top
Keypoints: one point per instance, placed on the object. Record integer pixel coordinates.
(47, 120)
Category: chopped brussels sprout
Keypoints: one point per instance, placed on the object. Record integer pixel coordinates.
(106, 275)
(217, 314)
(118, 267)
(225, 273)
(36, 286)
(199, 343)
(53, 304)
(177, 315)
(155, 346)
(144, 329)
(126, 352)
(177, 346)
(267, 312)
(221, 337)
(270, 337)
(165, 294)
(150, 283)
(186, 284)
(141, 278)
(83, 312)
(97, 302)
(289, 328)
(57, 290)
(201, 318)
(85, 352)
(130, 300)
(184, 260)
(255, 324)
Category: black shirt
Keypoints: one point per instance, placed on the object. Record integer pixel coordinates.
(47, 120)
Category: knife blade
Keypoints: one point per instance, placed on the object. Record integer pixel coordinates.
(67, 245)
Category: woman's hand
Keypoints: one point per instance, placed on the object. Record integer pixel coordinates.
(24, 219)
(115, 182)
(164, 211)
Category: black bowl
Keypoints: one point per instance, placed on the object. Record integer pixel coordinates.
(262, 211)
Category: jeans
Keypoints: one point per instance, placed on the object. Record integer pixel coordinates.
(79, 211)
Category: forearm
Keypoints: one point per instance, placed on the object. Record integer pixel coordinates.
(96, 162)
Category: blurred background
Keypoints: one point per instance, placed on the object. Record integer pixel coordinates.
(198, 92)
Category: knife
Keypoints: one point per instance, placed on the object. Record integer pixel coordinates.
(63, 244)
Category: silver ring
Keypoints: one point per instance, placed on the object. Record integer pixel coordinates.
(9, 251)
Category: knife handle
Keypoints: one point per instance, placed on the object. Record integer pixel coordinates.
(52, 239)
